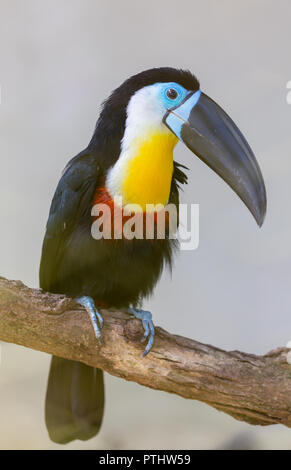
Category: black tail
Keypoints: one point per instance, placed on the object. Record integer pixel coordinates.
(74, 401)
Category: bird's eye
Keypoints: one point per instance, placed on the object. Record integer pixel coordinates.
(172, 93)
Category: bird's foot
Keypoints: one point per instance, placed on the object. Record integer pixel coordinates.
(95, 317)
(148, 325)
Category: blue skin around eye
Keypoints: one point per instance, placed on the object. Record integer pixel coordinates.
(168, 102)
(175, 122)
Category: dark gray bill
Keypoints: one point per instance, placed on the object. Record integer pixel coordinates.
(212, 135)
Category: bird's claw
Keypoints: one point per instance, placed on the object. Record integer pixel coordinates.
(95, 316)
(148, 325)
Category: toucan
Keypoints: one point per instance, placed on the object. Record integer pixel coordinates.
(130, 159)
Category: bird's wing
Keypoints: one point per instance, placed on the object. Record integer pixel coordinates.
(72, 199)
(179, 178)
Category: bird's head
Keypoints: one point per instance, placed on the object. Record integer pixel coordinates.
(169, 102)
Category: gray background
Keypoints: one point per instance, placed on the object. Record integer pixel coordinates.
(59, 60)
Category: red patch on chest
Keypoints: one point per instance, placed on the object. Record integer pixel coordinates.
(116, 222)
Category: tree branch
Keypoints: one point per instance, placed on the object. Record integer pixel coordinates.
(255, 389)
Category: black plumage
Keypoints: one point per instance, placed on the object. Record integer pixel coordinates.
(74, 400)
(74, 263)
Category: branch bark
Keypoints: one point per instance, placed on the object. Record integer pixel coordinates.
(251, 388)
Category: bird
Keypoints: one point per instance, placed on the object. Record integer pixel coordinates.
(129, 161)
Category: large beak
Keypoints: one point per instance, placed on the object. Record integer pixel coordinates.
(211, 134)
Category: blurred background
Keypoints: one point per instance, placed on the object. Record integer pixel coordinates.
(59, 60)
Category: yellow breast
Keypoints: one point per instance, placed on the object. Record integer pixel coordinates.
(149, 172)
